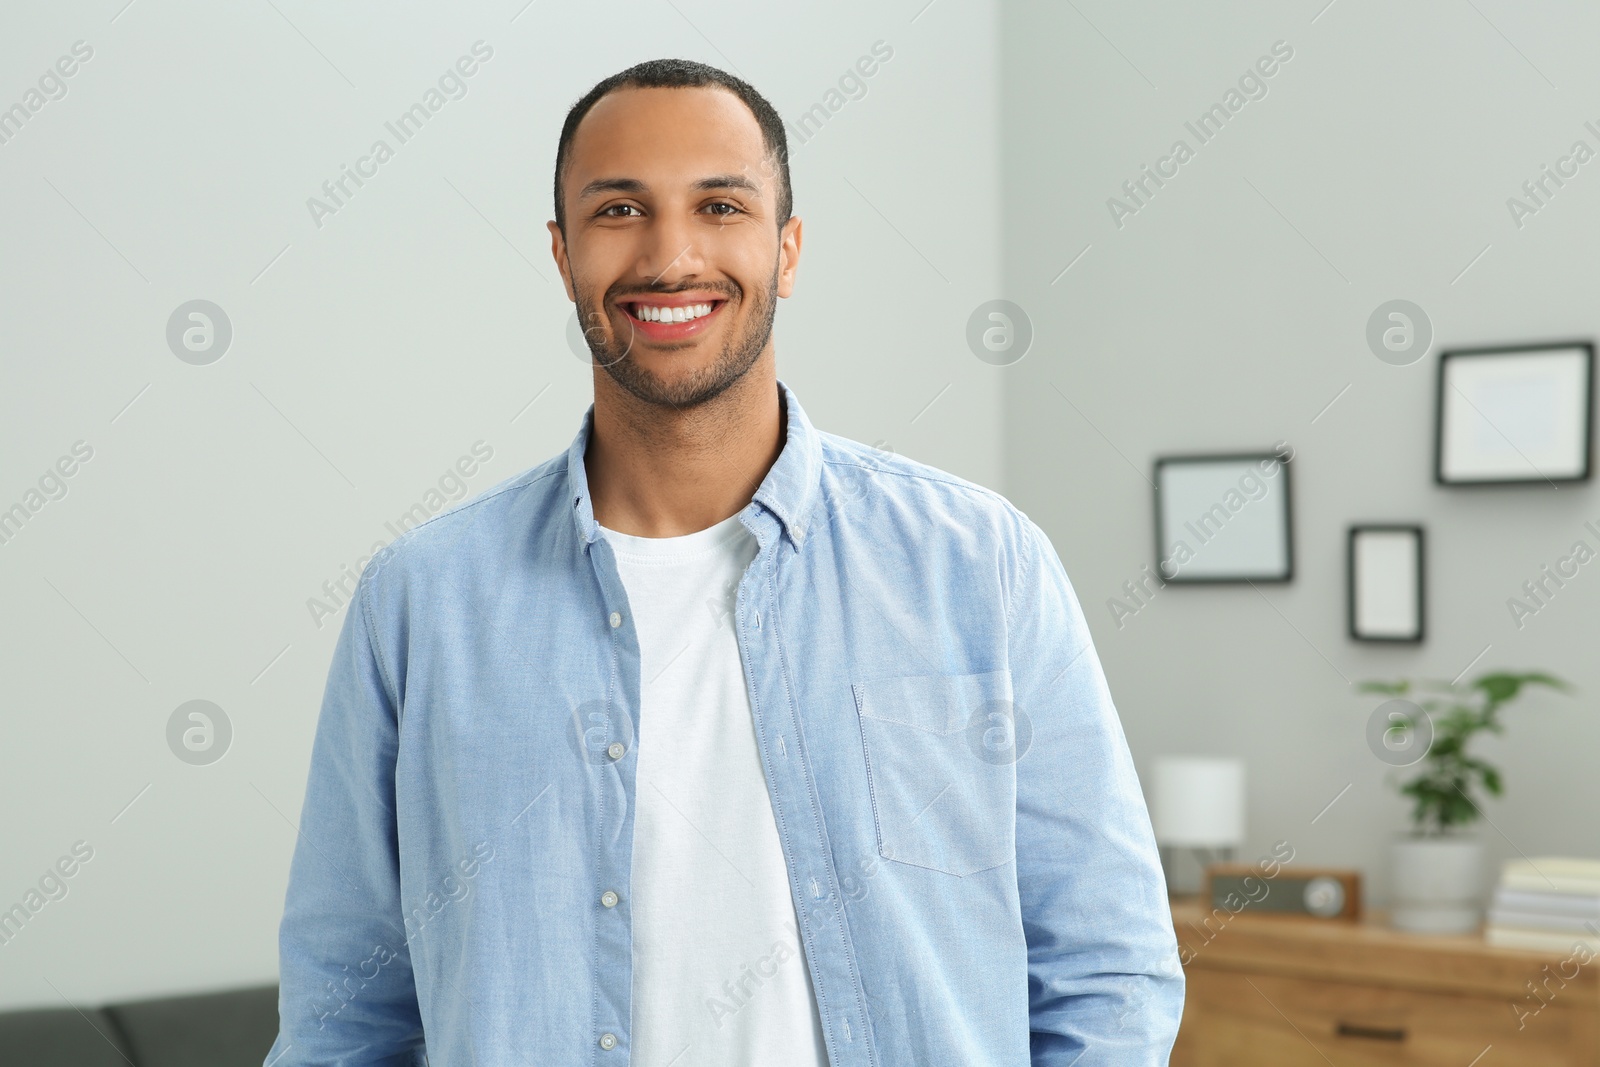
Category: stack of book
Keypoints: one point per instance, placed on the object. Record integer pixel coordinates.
(1551, 904)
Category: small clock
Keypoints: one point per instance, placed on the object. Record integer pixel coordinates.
(1317, 893)
(1324, 897)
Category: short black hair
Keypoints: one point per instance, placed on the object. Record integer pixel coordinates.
(683, 74)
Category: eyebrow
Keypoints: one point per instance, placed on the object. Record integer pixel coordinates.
(634, 185)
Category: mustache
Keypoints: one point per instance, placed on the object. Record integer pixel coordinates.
(619, 296)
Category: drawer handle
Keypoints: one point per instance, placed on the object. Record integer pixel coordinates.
(1377, 1033)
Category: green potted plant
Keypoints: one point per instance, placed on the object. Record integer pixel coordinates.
(1437, 866)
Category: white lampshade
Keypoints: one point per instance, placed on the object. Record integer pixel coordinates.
(1199, 802)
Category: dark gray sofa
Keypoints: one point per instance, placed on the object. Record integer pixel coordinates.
(233, 1028)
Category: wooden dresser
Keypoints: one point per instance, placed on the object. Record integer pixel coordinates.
(1287, 991)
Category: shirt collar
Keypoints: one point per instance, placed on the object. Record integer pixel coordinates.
(788, 491)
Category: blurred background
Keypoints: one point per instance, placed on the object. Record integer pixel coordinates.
(228, 471)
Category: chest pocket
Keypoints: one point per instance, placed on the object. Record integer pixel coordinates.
(939, 800)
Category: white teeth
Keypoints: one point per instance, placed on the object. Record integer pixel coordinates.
(649, 313)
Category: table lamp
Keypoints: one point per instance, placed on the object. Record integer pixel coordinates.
(1198, 812)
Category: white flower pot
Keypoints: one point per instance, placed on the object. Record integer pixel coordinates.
(1437, 883)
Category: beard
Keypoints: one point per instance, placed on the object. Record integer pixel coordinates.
(738, 355)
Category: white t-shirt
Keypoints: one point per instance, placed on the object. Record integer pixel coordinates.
(719, 977)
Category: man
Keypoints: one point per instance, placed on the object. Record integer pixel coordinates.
(717, 740)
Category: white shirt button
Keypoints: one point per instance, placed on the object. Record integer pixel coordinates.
(615, 750)
(616, 619)
(608, 1041)
(608, 898)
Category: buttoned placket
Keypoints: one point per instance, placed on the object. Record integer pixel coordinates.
(824, 936)
(614, 850)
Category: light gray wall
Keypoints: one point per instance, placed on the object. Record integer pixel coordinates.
(1229, 312)
(368, 355)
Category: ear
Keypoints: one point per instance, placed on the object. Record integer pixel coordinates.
(558, 252)
(788, 255)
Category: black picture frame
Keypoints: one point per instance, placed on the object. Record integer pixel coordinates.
(1352, 583)
(1279, 456)
(1534, 477)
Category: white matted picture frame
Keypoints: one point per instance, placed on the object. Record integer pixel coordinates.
(1224, 517)
(1515, 415)
(1386, 565)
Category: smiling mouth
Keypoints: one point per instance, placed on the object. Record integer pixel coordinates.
(660, 314)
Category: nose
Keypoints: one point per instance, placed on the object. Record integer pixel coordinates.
(670, 252)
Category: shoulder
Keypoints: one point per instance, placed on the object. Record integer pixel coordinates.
(853, 470)
(457, 534)
(925, 524)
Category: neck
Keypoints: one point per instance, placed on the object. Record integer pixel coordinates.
(658, 471)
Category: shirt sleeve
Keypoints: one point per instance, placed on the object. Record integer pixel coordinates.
(346, 995)
(1105, 985)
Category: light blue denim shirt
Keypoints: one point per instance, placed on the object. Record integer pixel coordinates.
(969, 853)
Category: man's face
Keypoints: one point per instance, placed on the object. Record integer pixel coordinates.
(670, 210)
